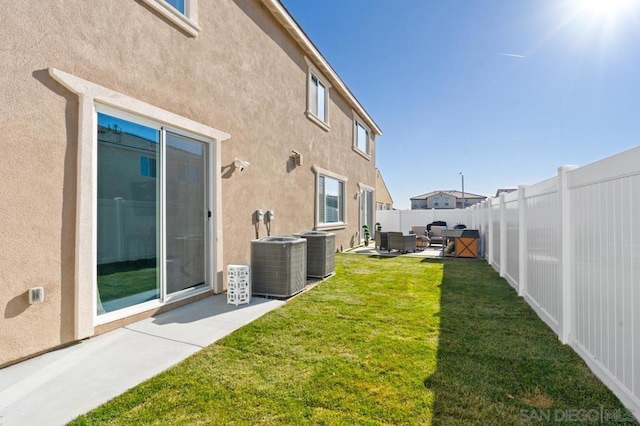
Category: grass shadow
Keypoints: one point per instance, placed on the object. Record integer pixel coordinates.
(384, 256)
(498, 363)
(387, 340)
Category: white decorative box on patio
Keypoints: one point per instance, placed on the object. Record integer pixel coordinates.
(238, 284)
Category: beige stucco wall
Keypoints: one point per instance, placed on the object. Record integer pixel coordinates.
(243, 75)
(429, 202)
(383, 197)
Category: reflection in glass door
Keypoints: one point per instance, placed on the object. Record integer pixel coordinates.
(185, 212)
(127, 213)
(151, 214)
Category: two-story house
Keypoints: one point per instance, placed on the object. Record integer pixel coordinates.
(445, 200)
(383, 196)
(140, 137)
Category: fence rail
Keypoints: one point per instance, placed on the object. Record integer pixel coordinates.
(403, 220)
(126, 231)
(570, 247)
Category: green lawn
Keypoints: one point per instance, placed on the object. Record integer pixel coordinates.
(385, 341)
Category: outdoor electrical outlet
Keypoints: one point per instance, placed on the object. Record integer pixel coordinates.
(36, 295)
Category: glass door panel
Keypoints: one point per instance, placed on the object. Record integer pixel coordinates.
(185, 212)
(366, 210)
(370, 208)
(127, 214)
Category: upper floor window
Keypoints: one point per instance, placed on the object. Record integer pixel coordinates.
(318, 94)
(317, 97)
(178, 4)
(182, 13)
(361, 137)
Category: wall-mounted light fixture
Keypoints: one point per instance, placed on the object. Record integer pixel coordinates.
(297, 158)
(240, 164)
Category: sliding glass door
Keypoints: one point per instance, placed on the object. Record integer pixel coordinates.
(366, 210)
(185, 213)
(151, 213)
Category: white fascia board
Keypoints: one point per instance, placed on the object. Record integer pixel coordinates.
(287, 21)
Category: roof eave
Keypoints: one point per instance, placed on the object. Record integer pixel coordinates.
(285, 19)
(385, 184)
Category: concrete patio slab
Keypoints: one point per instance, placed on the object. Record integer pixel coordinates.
(56, 387)
(433, 251)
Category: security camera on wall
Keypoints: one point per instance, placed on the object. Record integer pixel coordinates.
(240, 164)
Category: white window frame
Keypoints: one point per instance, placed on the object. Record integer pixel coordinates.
(149, 162)
(436, 202)
(312, 72)
(187, 22)
(358, 122)
(91, 97)
(318, 171)
(164, 298)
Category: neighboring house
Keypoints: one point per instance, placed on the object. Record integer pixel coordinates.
(445, 200)
(140, 139)
(505, 190)
(383, 196)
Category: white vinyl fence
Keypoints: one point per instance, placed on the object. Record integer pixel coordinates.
(126, 231)
(571, 247)
(403, 220)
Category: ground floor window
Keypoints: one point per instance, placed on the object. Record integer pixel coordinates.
(331, 208)
(331, 200)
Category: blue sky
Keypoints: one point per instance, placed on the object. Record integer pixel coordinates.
(505, 91)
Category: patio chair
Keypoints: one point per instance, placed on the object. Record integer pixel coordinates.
(382, 240)
(436, 223)
(435, 235)
(418, 230)
(422, 240)
(400, 242)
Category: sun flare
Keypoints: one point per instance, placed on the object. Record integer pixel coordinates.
(606, 7)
